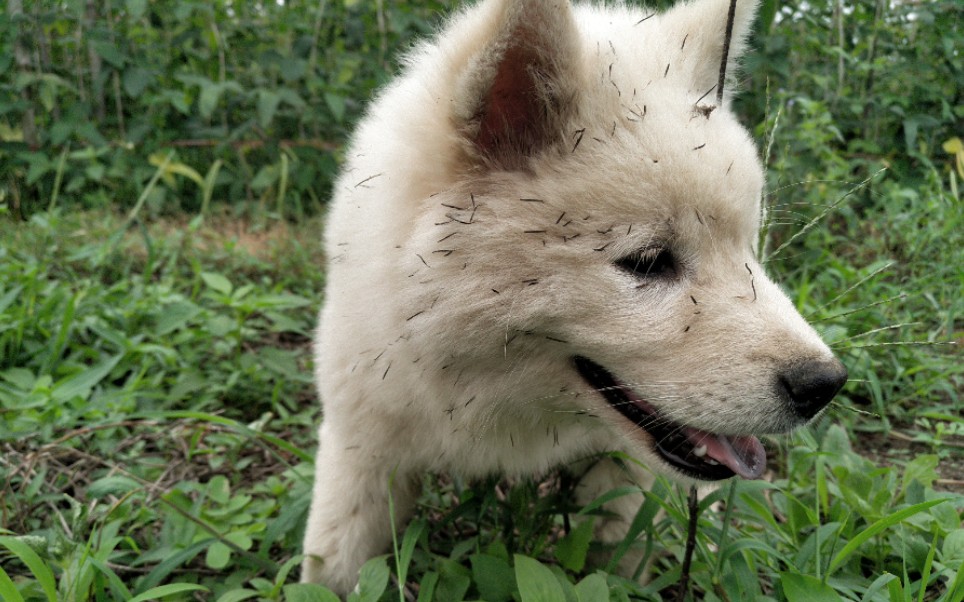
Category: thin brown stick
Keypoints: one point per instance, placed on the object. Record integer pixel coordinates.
(694, 507)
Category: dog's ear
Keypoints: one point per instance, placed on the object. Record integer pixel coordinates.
(701, 25)
(515, 94)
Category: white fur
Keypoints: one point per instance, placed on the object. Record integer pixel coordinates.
(455, 301)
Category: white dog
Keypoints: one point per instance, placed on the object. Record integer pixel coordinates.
(543, 246)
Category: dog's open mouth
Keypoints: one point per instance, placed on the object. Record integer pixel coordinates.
(694, 452)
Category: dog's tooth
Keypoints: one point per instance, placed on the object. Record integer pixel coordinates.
(699, 451)
(712, 462)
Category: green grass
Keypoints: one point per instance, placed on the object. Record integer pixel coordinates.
(157, 421)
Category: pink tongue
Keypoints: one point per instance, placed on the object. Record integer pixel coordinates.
(744, 455)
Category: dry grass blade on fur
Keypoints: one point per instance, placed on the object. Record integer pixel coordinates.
(731, 13)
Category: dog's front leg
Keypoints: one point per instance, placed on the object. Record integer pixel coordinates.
(349, 520)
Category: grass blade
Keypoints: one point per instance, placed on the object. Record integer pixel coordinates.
(876, 528)
(819, 217)
(36, 565)
(163, 591)
(8, 591)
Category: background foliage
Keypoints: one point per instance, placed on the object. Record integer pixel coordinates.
(163, 170)
(95, 92)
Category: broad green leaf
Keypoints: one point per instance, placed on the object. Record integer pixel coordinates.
(218, 555)
(536, 582)
(217, 282)
(426, 587)
(220, 325)
(236, 595)
(952, 552)
(572, 549)
(88, 131)
(136, 8)
(112, 485)
(240, 539)
(292, 68)
(923, 469)
(268, 102)
(81, 384)
(20, 378)
(454, 581)
(593, 588)
(175, 316)
(805, 588)
(95, 172)
(373, 579)
(39, 167)
(292, 98)
(308, 592)
(110, 53)
(265, 178)
(336, 104)
(48, 95)
(136, 80)
(836, 441)
(219, 489)
(208, 100)
(493, 577)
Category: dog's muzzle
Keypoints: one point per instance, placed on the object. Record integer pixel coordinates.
(807, 387)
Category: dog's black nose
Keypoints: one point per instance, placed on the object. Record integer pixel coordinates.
(810, 385)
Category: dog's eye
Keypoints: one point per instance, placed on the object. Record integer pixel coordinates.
(649, 263)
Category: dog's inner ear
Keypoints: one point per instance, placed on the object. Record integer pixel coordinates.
(511, 111)
(524, 84)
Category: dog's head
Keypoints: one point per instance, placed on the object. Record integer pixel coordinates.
(591, 213)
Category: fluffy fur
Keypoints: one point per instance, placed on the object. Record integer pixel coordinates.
(480, 240)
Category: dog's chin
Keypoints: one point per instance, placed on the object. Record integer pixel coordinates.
(691, 452)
